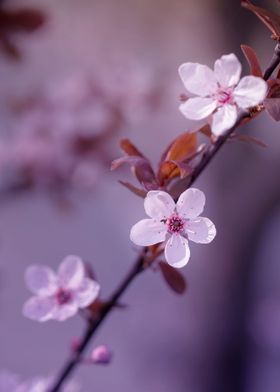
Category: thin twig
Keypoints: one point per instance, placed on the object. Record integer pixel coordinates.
(139, 267)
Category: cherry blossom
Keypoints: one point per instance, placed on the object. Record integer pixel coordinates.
(220, 92)
(59, 296)
(174, 223)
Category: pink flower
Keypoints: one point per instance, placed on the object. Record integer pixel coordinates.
(101, 355)
(176, 223)
(220, 92)
(59, 296)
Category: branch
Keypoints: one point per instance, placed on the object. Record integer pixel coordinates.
(139, 267)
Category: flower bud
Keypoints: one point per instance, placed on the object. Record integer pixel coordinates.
(101, 355)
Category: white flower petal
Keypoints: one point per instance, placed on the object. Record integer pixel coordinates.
(191, 203)
(198, 79)
(159, 204)
(63, 312)
(223, 119)
(40, 280)
(228, 70)
(198, 108)
(87, 293)
(39, 308)
(71, 272)
(250, 91)
(177, 251)
(201, 230)
(148, 232)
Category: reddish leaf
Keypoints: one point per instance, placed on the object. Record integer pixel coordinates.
(183, 146)
(141, 167)
(274, 88)
(248, 139)
(206, 130)
(134, 189)
(130, 160)
(27, 20)
(270, 19)
(252, 59)
(173, 278)
(272, 105)
(172, 169)
(129, 148)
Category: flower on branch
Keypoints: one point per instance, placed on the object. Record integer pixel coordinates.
(221, 93)
(59, 296)
(174, 223)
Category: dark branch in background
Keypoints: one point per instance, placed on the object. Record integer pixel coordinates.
(140, 262)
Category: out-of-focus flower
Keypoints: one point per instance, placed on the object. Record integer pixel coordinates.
(10, 382)
(59, 296)
(59, 138)
(220, 92)
(176, 223)
(101, 355)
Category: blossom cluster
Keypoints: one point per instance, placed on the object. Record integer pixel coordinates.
(59, 137)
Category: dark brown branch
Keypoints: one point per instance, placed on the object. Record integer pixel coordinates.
(139, 265)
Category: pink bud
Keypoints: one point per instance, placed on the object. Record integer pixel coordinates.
(101, 355)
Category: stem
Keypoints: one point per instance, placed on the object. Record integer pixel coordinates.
(74, 360)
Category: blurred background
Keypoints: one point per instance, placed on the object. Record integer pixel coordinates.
(75, 77)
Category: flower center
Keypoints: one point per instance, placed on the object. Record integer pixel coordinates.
(63, 296)
(175, 224)
(224, 96)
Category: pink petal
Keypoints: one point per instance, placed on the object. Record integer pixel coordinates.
(63, 312)
(250, 91)
(87, 293)
(39, 308)
(201, 230)
(148, 232)
(177, 251)
(40, 280)
(223, 119)
(198, 108)
(71, 272)
(191, 203)
(228, 70)
(159, 204)
(198, 79)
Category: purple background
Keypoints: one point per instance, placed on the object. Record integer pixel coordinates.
(224, 334)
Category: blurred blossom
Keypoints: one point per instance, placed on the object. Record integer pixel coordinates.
(59, 296)
(174, 223)
(59, 137)
(101, 355)
(220, 92)
(10, 382)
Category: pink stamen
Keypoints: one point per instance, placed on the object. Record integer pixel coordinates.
(175, 224)
(63, 296)
(224, 96)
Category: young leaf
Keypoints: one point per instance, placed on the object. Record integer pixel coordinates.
(129, 148)
(134, 189)
(248, 139)
(252, 59)
(272, 105)
(183, 146)
(270, 19)
(173, 278)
